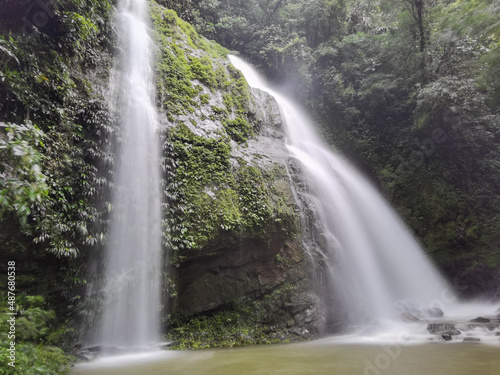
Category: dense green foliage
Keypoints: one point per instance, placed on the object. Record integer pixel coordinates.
(24, 183)
(53, 127)
(36, 335)
(50, 110)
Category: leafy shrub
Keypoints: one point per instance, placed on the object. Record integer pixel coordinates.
(35, 327)
(22, 183)
(34, 359)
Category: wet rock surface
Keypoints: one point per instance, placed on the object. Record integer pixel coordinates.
(446, 336)
(481, 320)
(471, 339)
(437, 328)
(248, 269)
(475, 330)
(270, 268)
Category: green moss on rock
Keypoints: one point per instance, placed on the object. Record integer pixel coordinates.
(238, 129)
(209, 199)
(225, 207)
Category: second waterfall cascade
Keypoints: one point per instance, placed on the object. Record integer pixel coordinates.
(377, 267)
(130, 290)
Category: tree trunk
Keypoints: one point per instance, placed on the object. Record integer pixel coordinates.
(419, 4)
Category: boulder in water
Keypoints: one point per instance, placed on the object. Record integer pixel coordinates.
(471, 339)
(167, 344)
(455, 332)
(370, 331)
(446, 336)
(480, 320)
(440, 327)
(485, 326)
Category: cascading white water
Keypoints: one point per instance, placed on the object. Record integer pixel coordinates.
(374, 260)
(130, 316)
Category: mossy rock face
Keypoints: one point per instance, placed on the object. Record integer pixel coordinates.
(252, 293)
(232, 224)
(245, 269)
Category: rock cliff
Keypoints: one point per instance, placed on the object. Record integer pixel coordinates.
(232, 223)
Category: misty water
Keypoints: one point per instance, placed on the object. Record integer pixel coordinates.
(130, 285)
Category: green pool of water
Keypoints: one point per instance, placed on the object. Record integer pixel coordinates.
(320, 357)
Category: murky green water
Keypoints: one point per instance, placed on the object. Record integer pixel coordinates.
(321, 357)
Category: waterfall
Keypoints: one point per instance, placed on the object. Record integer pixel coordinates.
(132, 259)
(376, 267)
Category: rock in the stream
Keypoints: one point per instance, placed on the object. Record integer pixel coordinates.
(453, 332)
(440, 327)
(471, 339)
(481, 320)
(483, 326)
(446, 337)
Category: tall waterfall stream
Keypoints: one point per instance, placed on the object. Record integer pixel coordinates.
(131, 286)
